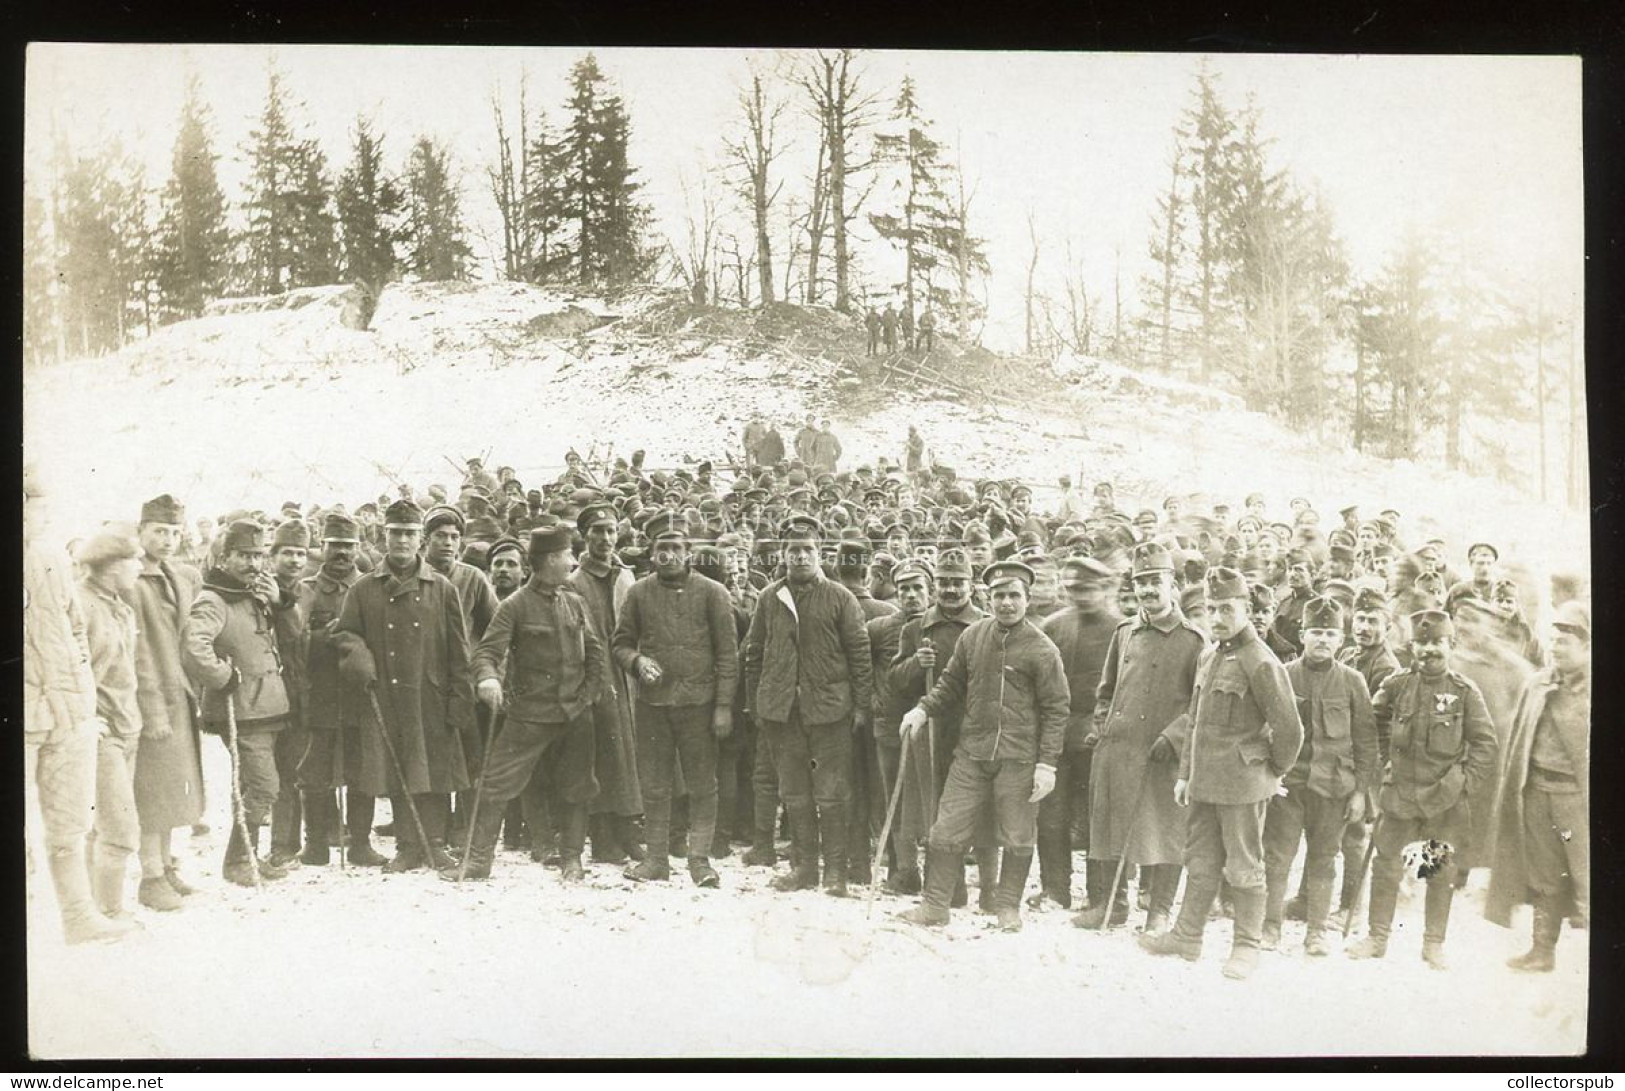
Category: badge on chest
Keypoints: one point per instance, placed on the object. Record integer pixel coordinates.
(1444, 702)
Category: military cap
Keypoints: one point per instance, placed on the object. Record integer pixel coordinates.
(1020, 489)
(1390, 516)
(912, 570)
(243, 536)
(704, 468)
(291, 533)
(163, 509)
(290, 506)
(1573, 617)
(1260, 596)
(111, 543)
(1430, 625)
(549, 538)
(1193, 596)
(801, 525)
(1226, 583)
(443, 515)
(1152, 557)
(1282, 531)
(1253, 497)
(506, 543)
(953, 564)
(665, 525)
(883, 561)
(338, 527)
(1249, 520)
(1341, 536)
(1368, 600)
(1494, 553)
(1323, 612)
(1384, 549)
(403, 515)
(367, 508)
(1004, 572)
(1083, 566)
(1350, 512)
(976, 533)
(1343, 553)
(593, 514)
(1341, 590)
(483, 528)
(852, 555)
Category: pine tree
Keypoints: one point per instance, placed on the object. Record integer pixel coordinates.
(599, 192)
(1168, 252)
(1402, 330)
(98, 257)
(291, 239)
(315, 254)
(545, 212)
(1206, 128)
(437, 248)
(193, 245)
(370, 205)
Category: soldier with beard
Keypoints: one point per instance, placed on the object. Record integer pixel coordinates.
(913, 581)
(401, 633)
(1438, 746)
(529, 812)
(1083, 631)
(334, 712)
(230, 650)
(1141, 723)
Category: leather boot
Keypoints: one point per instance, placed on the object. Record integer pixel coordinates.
(987, 879)
(236, 867)
(81, 921)
(904, 877)
(482, 847)
(763, 852)
(803, 852)
(572, 838)
(1055, 867)
(655, 866)
(1296, 908)
(158, 895)
(1094, 917)
(1244, 947)
(359, 808)
(961, 895)
(1164, 885)
(1185, 937)
(1013, 873)
(942, 867)
(173, 877)
(606, 840)
(1379, 916)
(704, 875)
(1436, 918)
(832, 831)
(632, 837)
(1317, 906)
(318, 818)
(1541, 958)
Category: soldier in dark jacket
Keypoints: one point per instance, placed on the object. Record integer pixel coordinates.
(807, 680)
(771, 450)
(1244, 737)
(401, 634)
(924, 646)
(1142, 719)
(1330, 785)
(852, 567)
(336, 715)
(913, 581)
(1289, 610)
(1008, 679)
(1438, 746)
(555, 665)
(676, 636)
(289, 545)
(1082, 631)
(1543, 851)
(230, 651)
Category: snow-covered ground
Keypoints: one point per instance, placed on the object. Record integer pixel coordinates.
(252, 409)
(361, 964)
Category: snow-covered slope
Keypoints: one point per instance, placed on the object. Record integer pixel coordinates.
(259, 406)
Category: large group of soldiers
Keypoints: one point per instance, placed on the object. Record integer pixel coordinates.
(893, 663)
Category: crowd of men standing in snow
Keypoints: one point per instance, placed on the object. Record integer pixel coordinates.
(659, 664)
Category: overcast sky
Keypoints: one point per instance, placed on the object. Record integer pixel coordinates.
(1483, 151)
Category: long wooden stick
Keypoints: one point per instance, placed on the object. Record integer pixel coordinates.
(885, 829)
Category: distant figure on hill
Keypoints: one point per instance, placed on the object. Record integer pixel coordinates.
(889, 325)
(916, 458)
(928, 327)
(872, 321)
(805, 439)
(755, 430)
(826, 450)
(770, 452)
(907, 321)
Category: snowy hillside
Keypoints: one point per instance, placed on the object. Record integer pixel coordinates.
(252, 407)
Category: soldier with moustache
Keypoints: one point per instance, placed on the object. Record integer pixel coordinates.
(1330, 784)
(528, 812)
(542, 663)
(1008, 679)
(852, 569)
(676, 635)
(1245, 735)
(335, 712)
(1437, 746)
(1141, 721)
(401, 638)
(924, 645)
(913, 581)
(290, 545)
(1288, 622)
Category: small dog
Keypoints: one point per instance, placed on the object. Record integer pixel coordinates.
(1425, 859)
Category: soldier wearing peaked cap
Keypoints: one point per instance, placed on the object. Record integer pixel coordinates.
(1543, 848)
(230, 651)
(1141, 718)
(1008, 678)
(401, 633)
(290, 544)
(1245, 734)
(603, 582)
(1437, 747)
(1329, 787)
(852, 569)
